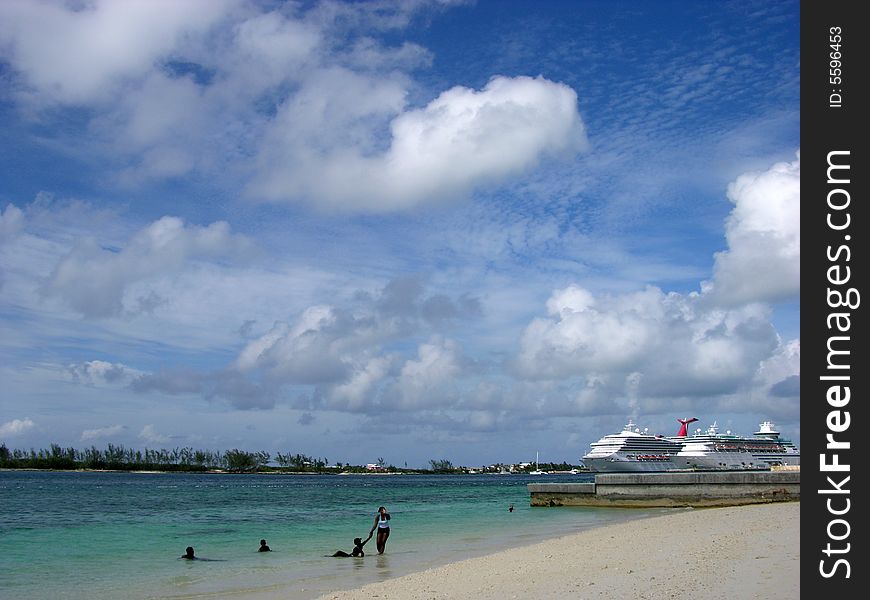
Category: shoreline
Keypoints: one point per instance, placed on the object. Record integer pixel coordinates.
(735, 553)
(226, 472)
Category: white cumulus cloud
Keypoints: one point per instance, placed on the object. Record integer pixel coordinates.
(651, 347)
(657, 344)
(762, 263)
(85, 54)
(424, 382)
(11, 222)
(150, 435)
(462, 139)
(93, 280)
(16, 427)
(309, 351)
(357, 392)
(300, 104)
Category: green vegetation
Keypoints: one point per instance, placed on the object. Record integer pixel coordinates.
(442, 466)
(119, 458)
(113, 458)
(562, 466)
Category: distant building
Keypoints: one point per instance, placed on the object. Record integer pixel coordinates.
(374, 467)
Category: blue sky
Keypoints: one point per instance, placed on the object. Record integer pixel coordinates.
(409, 230)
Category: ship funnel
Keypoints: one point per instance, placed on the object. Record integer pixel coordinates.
(684, 426)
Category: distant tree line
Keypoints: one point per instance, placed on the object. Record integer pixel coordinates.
(562, 466)
(120, 458)
(300, 461)
(445, 466)
(442, 466)
(187, 459)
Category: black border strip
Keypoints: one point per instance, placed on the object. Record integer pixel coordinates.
(834, 222)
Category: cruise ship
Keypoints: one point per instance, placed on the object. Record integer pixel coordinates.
(714, 450)
(634, 450)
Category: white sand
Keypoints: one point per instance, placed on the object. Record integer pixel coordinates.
(733, 553)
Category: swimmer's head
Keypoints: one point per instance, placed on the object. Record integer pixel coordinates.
(357, 541)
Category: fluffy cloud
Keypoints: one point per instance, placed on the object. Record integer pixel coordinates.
(16, 427)
(337, 346)
(339, 358)
(468, 136)
(84, 54)
(149, 435)
(657, 350)
(777, 383)
(96, 372)
(304, 103)
(11, 222)
(762, 263)
(661, 344)
(462, 139)
(356, 393)
(429, 381)
(777, 374)
(309, 351)
(276, 43)
(95, 281)
(424, 382)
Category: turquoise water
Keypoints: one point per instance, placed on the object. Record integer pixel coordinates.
(100, 536)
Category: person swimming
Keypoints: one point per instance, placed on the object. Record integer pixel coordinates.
(189, 555)
(264, 547)
(358, 544)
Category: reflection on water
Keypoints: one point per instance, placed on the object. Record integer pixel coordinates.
(383, 566)
(358, 564)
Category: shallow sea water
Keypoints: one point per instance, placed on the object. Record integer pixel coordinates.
(79, 535)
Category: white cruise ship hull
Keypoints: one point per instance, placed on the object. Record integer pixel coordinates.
(702, 455)
(621, 464)
(731, 461)
(632, 451)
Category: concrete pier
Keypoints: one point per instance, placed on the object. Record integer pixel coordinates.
(712, 488)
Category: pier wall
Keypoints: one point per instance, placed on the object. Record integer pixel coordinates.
(671, 489)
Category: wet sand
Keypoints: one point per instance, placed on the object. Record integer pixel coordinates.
(733, 553)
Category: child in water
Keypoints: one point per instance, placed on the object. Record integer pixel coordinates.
(358, 544)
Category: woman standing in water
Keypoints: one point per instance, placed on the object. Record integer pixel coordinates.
(382, 524)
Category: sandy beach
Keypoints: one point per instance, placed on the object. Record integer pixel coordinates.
(733, 553)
